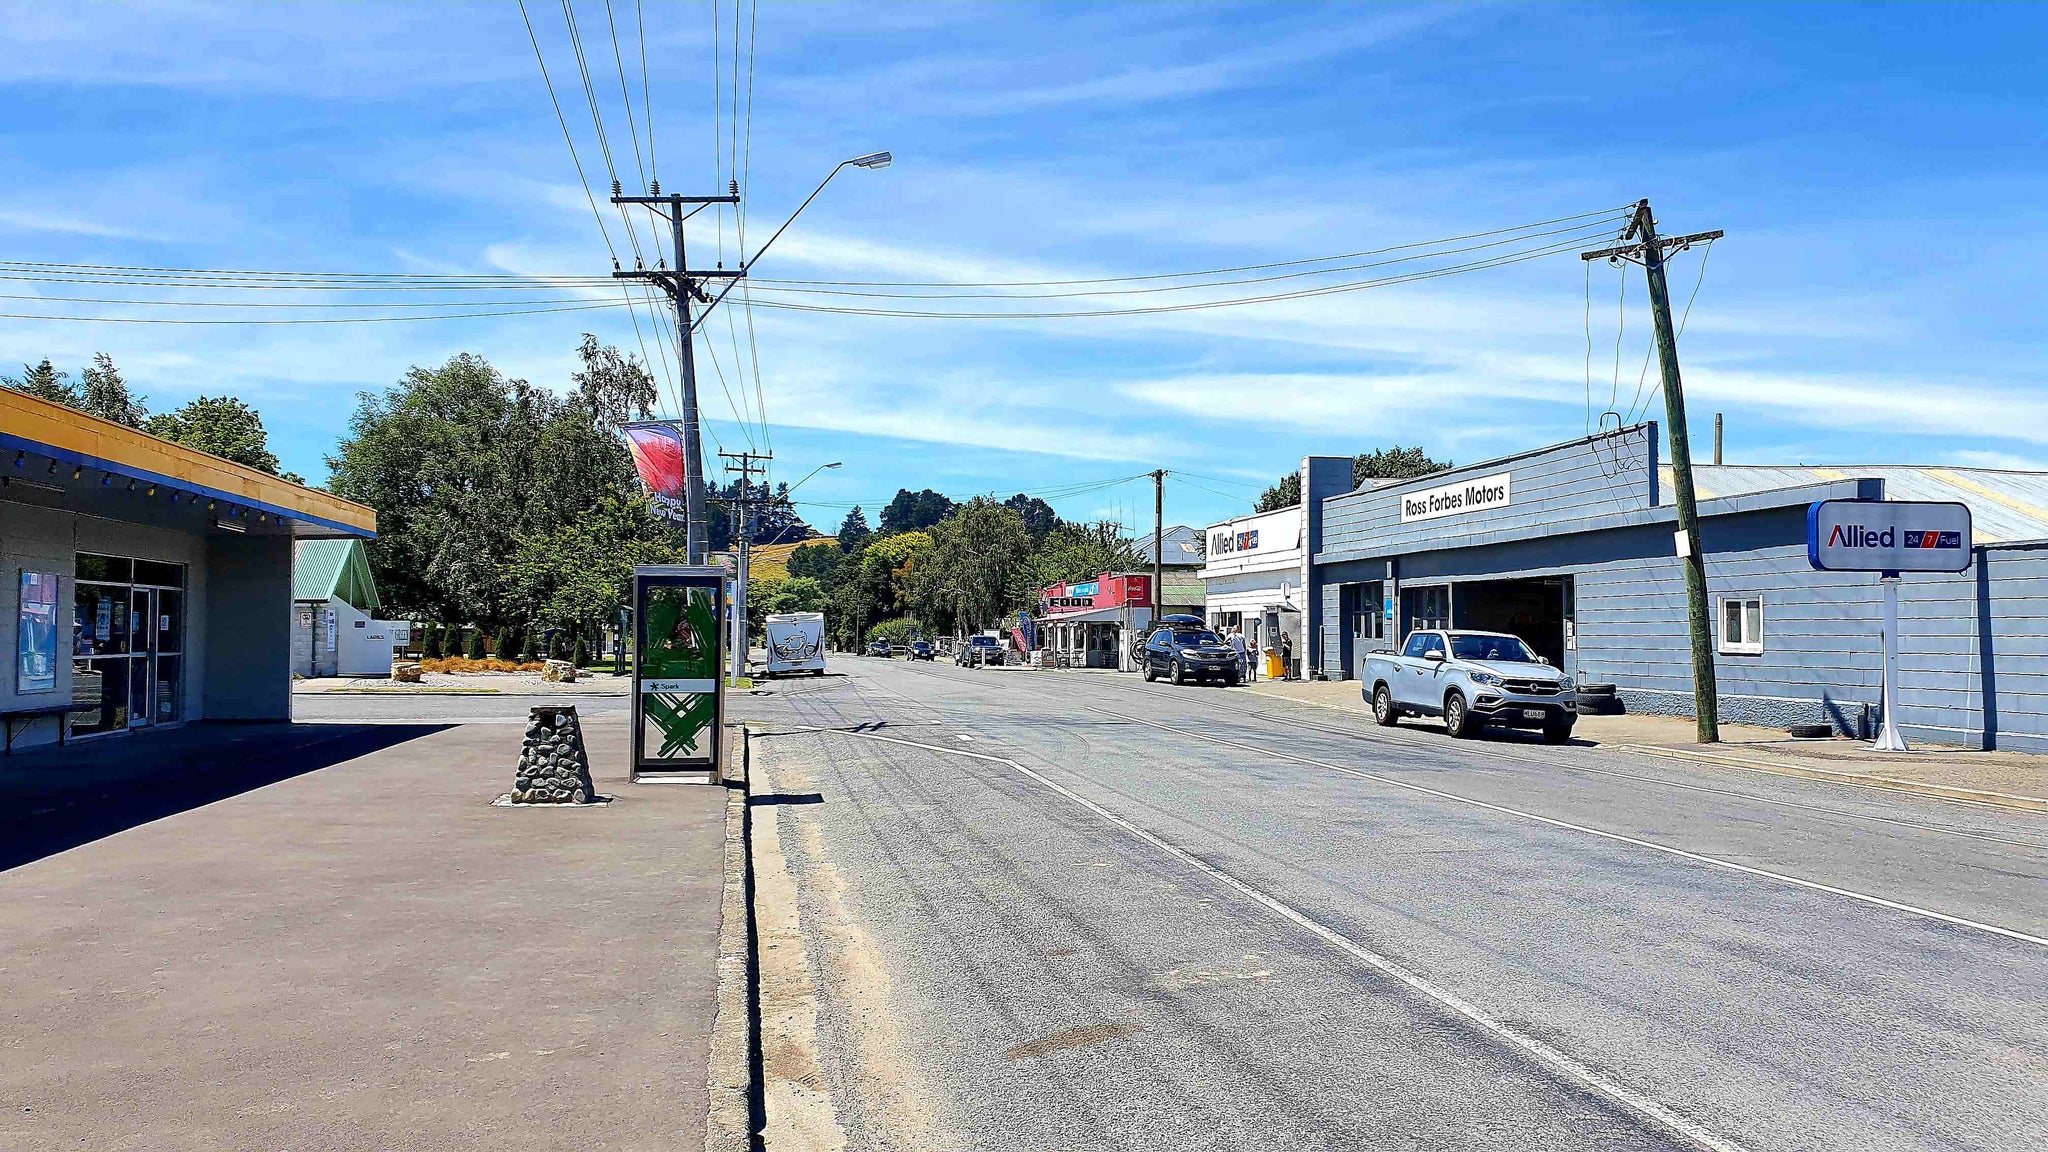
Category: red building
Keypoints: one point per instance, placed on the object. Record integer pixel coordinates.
(1085, 619)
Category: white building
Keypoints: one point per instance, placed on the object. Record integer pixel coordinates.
(333, 596)
(1254, 574)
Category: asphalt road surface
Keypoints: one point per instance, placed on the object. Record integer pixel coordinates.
(1076, 911)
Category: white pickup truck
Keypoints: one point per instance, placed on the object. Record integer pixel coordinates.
(1471, 679)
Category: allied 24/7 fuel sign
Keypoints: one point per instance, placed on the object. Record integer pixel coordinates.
(1888, 536)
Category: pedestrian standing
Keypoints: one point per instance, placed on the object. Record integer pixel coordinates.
(1237, 646)
(1286, 656)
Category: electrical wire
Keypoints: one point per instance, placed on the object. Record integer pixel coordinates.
(1578, 233)
(646, 101)
(1206, 272)
(311, 320)
(1682, 320)
(619, 58)
(566, 137)
(1326, 290)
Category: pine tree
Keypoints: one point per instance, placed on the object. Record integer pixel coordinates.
(106, 395)
(527, 654)
(44, 382)
(854, 531)
(476, 644)
(430, 648)
(558, 646)
(582, 653)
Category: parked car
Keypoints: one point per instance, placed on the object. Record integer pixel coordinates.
(921, 650)
(1184, 652)
(979, 650)
(1471, 679)
(878, 648)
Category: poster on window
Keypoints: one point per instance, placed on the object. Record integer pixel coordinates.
(37, 627)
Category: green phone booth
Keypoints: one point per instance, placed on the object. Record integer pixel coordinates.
(678, 694)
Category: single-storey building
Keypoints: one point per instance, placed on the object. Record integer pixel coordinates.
(148, 583)
(334, 596)
(1181, 572)
(1572, 548)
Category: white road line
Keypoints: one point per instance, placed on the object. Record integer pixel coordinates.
(1519, 1041)
(1617, 837)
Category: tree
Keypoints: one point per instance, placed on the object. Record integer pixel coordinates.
(875, 583)
(430, 645)
(104, 394)
(507, 645)
(1081, 551)
(575, 576)
(221, 425)
(911, 511)
(1285, 494)
(1396, 463)
(580, 654)
(897, 631)
(527, 652)
(978, 567)
(44, 382)
(1039, 518)
(819, 562)
(853, 531)
(769, 597)
(475, 651)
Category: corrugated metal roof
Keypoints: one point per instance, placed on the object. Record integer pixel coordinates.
(1183, 545)
(2003, 505)
(340, 569)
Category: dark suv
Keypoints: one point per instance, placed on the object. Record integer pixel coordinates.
(1184, 652)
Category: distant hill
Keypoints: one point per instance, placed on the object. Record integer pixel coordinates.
(771, 561)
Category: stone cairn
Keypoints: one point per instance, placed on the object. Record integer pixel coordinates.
(553, 768)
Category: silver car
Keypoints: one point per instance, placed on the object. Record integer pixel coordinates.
(1471, 679)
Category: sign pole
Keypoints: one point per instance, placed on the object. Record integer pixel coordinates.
(1889, 738)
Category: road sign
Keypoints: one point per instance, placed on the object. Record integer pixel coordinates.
(678, 694)
(1888, 536)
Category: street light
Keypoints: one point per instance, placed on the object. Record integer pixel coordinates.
(819, 468)
(873, 161)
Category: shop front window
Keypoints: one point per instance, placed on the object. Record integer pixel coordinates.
(127, 643)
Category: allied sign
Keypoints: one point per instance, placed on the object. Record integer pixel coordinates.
(1457, 499)
(1226, 542)
(678, 693)
(1888, 536)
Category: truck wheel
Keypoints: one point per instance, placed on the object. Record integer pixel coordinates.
(1458, 718)
(1383, 707)
(1555, 733)
(1180, 673)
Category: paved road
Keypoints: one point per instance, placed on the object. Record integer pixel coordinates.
(1076, 911)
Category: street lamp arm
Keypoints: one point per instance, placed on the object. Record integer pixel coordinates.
(811, 473)
(749, 265)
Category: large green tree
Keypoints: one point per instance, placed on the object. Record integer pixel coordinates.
(44, 382)
(1396, 463)
(222, 425)
(977, 570)
(1081, 551)
(105, 394)
(875, 583)
(575, 576)
(463, 465)
(911, 511)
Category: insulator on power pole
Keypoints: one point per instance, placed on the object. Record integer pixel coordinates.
(617, 187)
(654, 189)
(734, 185)
(615, 264)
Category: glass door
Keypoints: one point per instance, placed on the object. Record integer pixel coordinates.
(142, 647)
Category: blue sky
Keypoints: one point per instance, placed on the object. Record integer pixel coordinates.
(1879, 171)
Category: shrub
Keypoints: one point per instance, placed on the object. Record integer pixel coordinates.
(464, 664)
(430, 647)
(527, 652)
(475, 650)
(507, 647)
(558, 646)
(582, 653)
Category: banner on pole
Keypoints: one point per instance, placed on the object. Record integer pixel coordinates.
(659, 458)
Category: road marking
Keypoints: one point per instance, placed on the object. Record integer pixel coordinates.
(1617, 837)
(1543, 1053)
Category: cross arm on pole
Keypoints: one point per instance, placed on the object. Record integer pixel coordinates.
(1663, 242)
(675, 199)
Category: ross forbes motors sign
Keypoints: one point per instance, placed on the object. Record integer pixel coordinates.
(1457, 499)
(1888, 536)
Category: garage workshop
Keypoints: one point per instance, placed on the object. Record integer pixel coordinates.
(1572, 548)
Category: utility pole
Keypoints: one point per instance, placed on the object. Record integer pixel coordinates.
(1158, 543)
(682, 285)
(1650, 248)
(743, 527)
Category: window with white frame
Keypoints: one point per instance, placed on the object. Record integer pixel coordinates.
(1742, 625)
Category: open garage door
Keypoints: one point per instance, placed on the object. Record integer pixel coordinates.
(1534, 609)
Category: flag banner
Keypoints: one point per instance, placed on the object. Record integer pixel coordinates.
(658, 457)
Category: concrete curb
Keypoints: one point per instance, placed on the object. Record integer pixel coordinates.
(1884, 783)
(729, 1122)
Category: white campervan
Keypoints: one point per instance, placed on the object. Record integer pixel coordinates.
(796, 643)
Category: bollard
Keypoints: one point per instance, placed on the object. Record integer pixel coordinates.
(553, 766)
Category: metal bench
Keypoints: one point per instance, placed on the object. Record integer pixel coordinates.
(26, 716)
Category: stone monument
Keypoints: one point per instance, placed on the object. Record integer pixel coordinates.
(553, 767)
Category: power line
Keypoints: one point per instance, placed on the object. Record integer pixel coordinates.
(311, 320)
(646, 101)
(624, 94)
(566, 137)
(1206, 272)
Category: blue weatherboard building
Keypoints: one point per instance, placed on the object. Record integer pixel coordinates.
(1573, 548)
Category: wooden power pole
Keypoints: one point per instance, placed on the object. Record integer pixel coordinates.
(1650, 248)
(1158, 543)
